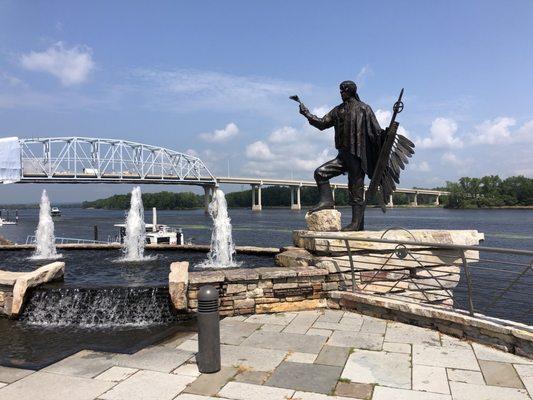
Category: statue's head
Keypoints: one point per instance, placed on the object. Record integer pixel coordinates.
(348, 90)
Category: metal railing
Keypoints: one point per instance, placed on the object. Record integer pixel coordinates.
(491, 281)
(30, 239)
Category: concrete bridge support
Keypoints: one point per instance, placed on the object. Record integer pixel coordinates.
(414, 200)
(390, 204)
(295, 200)
(437, 202)
(256, 200)
(208, 197)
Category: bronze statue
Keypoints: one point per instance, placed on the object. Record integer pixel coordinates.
(364, 149)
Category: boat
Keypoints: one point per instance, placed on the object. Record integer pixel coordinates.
(7, 220)
(156, 233)
(55, 212)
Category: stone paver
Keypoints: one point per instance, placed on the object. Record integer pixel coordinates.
(302, 322)
(386, 393)
(255, 377)
(367, 341)
(47, 386)
(188, 369)
(452, 357)
(305, 377)
(157, 358)
(492, 354)
(317, 396)
(85, 364)
(333, 355)
(116, 374)
(354, 390)
(466, 391)
(234, 332)
(500, 374)
(397, 347)
(390, 369)
(308, 358)
(210, 384)
(190, 396)
(402, 333)
(272, 328)
(430, 379)
(465, 376)
(319, 332)
(285, 341)
(526, 374)
(373, 325)
(331, 316)
(2, 385)
(251, 357)
(148, 385)
(189, 346)
(274, 319)
(345, 324)
(10, 375)
(247, 391)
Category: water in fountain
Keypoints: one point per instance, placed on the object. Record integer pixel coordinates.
(222, 252)
(45, 247)
(135, 238)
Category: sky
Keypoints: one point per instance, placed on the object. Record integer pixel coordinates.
(213, 78)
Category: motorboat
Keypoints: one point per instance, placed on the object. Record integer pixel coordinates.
(55, 212)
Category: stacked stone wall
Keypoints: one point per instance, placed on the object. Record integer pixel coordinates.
(6, 299)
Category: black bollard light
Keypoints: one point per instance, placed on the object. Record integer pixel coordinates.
(208, 357)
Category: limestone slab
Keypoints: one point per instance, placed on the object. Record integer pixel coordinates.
(323, 221)
(449, 357)
(148, 385)
(273, 319)
(85, 364)
(210, 384)
(430, 379)
(389, 369)
(47, 386)
(500, 374)
(345, 324)
(116, 374)
(190, 396)
(302, 322)
(466, 391)
(319, 332)
(465, 376)
(367, 341)
(255, 377)
(178, 280)
(306, 358)
(331, 316)
(404, 348)
(272, 328)
(190, 346)
(403, 333)
(373, 325)
(247, 391)
(10, 375)
(285, 341)
(257, 359)
(526, 374)
(157, 358)
(235, 332)
(317, 396)
(387, 393)
(491, 354)
(187, 369)
(305, 377)
(354, 390)
(333, 355)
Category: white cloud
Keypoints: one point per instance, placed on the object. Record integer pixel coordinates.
(221, 135)
(9, 80)
(363, 73)
(423, 166)
(493, 131)
(442, 135)
(259, 151)
(450, 159)
(283, 135)
(384, 116)
(72, 66)
(191, 152)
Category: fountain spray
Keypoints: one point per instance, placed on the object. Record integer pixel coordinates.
(222, 252)
(135, 238)
(45, 247)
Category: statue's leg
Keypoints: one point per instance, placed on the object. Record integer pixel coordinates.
(323, 174)
(356, 193)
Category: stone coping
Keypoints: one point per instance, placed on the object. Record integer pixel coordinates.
(511, 336)
(112, 246)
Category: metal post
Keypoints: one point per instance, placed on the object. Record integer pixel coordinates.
(208, 357)
(468, 282)
(95, 229)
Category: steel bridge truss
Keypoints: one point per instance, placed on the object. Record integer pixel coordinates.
(92, 160)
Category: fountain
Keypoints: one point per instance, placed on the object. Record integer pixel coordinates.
(45, 247)
(135, 238)
(222, 252)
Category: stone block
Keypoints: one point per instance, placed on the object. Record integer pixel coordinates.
(46, 273)
(253, 294)
(178, 281)
(324, 221)
(293, 306)
(246, 303)
(198, 277)
(275, 273)
(294, 258)
(235, 288)
(241, 274)
(265, 284)
(285, 286)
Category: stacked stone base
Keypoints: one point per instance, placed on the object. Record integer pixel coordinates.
(413, 273)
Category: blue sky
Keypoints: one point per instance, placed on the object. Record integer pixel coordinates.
(212, 78)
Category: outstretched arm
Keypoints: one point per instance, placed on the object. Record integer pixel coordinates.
(327, 121)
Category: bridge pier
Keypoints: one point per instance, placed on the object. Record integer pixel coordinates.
(295, 205)
(333, 192)
(436, 203)
(256, 202)
(208, 197)
(414, 201)
(390, 204)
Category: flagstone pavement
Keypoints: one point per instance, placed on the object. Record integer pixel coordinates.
(309, 355)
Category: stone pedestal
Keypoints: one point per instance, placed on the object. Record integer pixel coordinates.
(324, 221)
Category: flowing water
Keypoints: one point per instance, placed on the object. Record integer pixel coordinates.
(45, 248)
(135, 238)
(222, 253)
